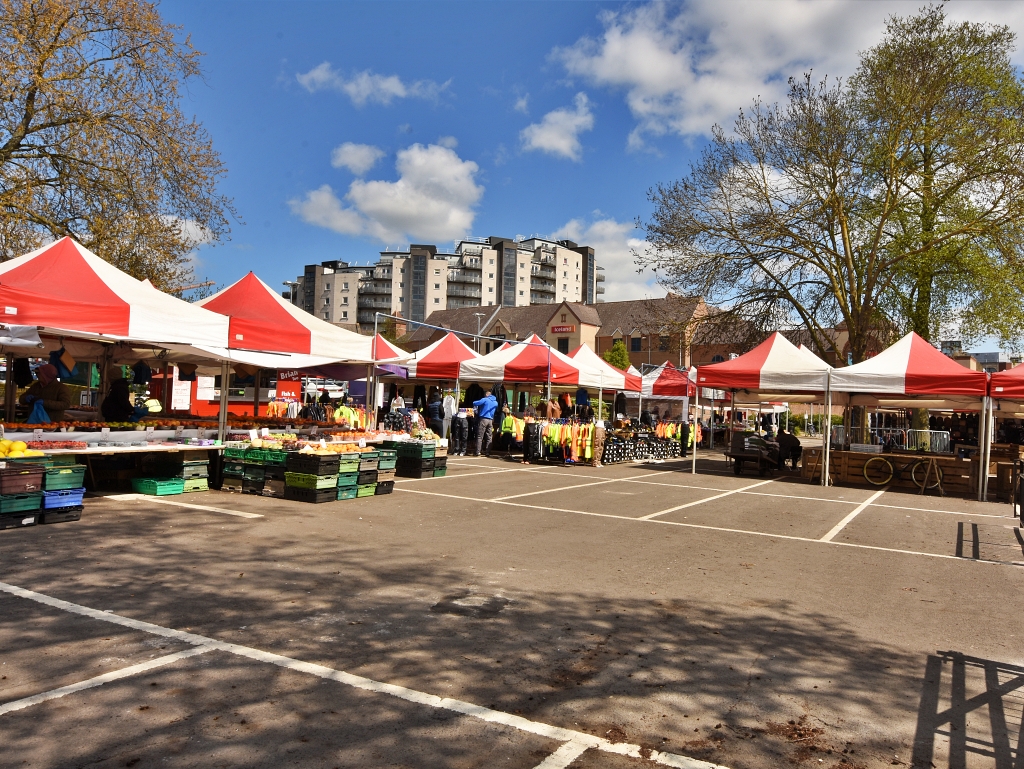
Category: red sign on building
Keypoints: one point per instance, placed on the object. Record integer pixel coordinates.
(562, 329)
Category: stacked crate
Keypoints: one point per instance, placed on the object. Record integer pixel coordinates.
(63, 490)
(21, 495)
(387, 461)
(194, 473)
(440, 461)
(367, 480)
(311, 478)
(348, 475)
(415, 459)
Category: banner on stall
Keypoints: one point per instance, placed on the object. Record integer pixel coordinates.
(181, 393)
(289, 385)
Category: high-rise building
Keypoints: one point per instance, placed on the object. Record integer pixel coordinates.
(483, 272)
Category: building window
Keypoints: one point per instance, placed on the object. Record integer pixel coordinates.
(565, 287)
(491, 261)
(401, 299)
(663, 343)
(563, 345)
(344, 286)
(636, 344)
(327, 301)
(717, 359)
(437, 272)
(490, 304)
(402, 270)
(401, 284)
(522, 279)
(327, 286)
(437, 300)
(437, 286)
(490, 275)
(487, 347)
(563, 317)
(565, 260)
(522, 293)
(344, 300)
(565, 273)
(344, 315)
(490, 290)
(522, 265)
(327, 316)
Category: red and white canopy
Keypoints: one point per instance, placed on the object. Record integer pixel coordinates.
(262, 320)
(384, 351)
(532, 360)
(610, 378)
(1008, 384)
(65, 288)
(441, 360)
(667, 381)
(776, 365)
(910, 367)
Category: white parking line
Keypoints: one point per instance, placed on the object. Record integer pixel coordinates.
(115, 675)
(164, 501)
(853, 514)
(367, 684)
(457, 475)
(702, 501)
(565, 755)
(568, 488)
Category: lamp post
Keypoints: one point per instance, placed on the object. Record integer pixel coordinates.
(478, 316)
(292, 285)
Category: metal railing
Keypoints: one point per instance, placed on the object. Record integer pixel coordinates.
(459, 276)
(893, 436)
(928, 440)
(474, 293)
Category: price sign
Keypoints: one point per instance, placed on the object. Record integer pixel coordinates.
(179, 431)
(252, 435)
(265, 432)
(149, 430)
(314, 430)
(37, 433)
(104, 431)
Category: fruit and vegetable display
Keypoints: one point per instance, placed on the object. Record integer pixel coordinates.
(17, 450)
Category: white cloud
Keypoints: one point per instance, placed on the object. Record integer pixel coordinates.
(613, 243)
(432, 201)
(686, 67)
(357, 158)
(366, 86)
(558, 132)
(523, 104)
(448, 141)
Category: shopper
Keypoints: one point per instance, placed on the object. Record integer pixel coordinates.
(484, 410)
(435, 414)
(51, 391)
(684, 436)
(118, 406)
(460, 434)
(789, 448)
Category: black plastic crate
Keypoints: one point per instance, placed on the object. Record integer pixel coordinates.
(408, 463)
(415, 473)
(252, 486)
(273, 472)
(61, 514)
(440, 461)
(313, 464)
(184, 471)
(384, 487)
(365, 477)
(253, 472)
(316, 496)
(19, 520)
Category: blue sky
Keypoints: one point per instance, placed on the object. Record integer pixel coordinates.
(349, 127)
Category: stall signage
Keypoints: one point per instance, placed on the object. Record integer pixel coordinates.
(181, 393)
(563, 329)
(289, 385)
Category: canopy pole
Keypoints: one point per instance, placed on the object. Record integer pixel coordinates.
(222, 416)
(696, 403)
(990, 423)
(982, 430)
(10, 390)
(827, 427)
(549, 372)
(256, 392)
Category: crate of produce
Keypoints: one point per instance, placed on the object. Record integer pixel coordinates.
(439, 472)
(366, 490)
(250, 486)
(368, 464)
(64, 477)
(235, 452)
(308, 481)
(365, 477)
(348, 465)
(62, 498)
(369, 454)
(275, 457)
(197, 484)
(61, 514)
(440, 462)
(348, 479)
(384, 487)
(409, 449)
(313, 464)
(387, 459)
(234, 468)
(251, 472)
(231, 483)
(273, 473)
(18, 520)
(315, 496)
(347, 492)
(385, 475)
(274, 488)
(19, 478)
(17, 503)
(158, 487)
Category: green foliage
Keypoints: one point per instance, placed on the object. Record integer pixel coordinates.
(617, 355)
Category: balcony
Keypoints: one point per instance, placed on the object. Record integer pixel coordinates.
(600, 277)
(541, 298)
(539, 284)
(376, 304)
(473, 293)
(463, 276)
(600, 290)
(383, 289)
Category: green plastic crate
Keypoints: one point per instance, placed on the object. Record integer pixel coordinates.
(348, 466)
(307, 481)
(347, 479)
(366, 490)
(234, 453)
(64, 477)
(158, 487)
(386, 464)
(253, 472)
(197, 484)
(348, 492)
(439, 472)
(416, 450)
(234, 468)
(59, 460)
(16, 503)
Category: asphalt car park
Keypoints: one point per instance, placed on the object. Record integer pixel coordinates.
(522, 616)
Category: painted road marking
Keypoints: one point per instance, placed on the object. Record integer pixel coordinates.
(114, 675)
(565, 755)
(769, 535)
(567, 488)
(488, 715)
(189, 505)
(852, 514)
(702, 501)
(457, 475)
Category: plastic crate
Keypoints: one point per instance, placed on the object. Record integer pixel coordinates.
(251, 486)
(347, 492)
(158, 487)
(415, 473)
(365, 477)
(19, 520)
(366, 490)
(273, 473)
(386, 464)
(234, 468)
(64, 477)
(313, 464)
(440, 472)
(231, 483)
(235, 452)
(19, 478)
(251, 472)
(348, 466)
(274, 488)
(384, 487)
(368, 464)
(441, 451)
(408, 449)
(185, 471)
(61, 514)
(386, 455)
(385, 475)
(441, 461)
(16, 503)
(414, 468)
(307, 481)
(275, 457)
(59, 460)
(348, 479)
(63, 498)
(315, 496)
(197, 484)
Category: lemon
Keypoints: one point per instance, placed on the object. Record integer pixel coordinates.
(19, 446)
(15, 454)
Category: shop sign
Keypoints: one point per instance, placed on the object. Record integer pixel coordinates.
(563, 329)
(181, 393)
(289, 385)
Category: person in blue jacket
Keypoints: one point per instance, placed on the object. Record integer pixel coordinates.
(484, 410)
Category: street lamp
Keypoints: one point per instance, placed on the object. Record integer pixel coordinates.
(478, 316)
(292, 285)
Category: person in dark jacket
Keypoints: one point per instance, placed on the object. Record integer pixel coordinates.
(789, 448)
(684, 436)
(435, 413)
(50, 390)
(118, 406)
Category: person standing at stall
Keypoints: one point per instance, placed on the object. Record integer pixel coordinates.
(484, 410)
(435, 414)
(684, 436)
(50, 390)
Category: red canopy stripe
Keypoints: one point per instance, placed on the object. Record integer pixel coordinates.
(930, 372)
(258, 321)
(742, 373)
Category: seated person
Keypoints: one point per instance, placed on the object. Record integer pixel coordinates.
(51, 391)
(789, 448)
(118, 406)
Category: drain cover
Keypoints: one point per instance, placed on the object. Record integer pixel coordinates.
(467, 604)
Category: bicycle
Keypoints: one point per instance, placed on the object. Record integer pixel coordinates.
(881, 471)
